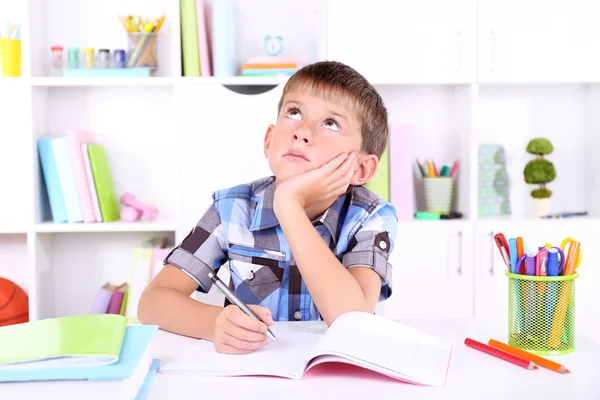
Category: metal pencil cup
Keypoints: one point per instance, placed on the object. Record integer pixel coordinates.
(10, 57)
(438, 194)
(541, 313)
(142, 50)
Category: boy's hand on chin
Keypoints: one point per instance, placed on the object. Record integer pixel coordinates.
(317, 185)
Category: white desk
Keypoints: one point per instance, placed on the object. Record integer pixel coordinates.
(470, 373)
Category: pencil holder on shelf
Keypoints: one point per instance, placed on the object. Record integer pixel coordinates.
(541, 313)
(438, 194)
(142, 49)
(10, 57)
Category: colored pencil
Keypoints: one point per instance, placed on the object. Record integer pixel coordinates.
(521, 362)
(541, 361)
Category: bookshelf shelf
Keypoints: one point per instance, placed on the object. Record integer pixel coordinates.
(172, 140)
(118, 82)
(107, 227)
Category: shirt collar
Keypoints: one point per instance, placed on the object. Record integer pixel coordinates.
(264, 217)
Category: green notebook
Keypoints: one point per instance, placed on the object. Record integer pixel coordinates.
(105, 188)
(80, 340)
(380, 182)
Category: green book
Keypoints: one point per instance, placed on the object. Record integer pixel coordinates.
(80, 340)
(380, 182)
(105, 188)
(190, 52)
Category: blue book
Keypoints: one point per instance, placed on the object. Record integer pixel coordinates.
(128, 378)
(135, 343)
(66, 177)
(52, 181)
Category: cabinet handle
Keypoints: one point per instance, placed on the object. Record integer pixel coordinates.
(492, 50)
(460, 249)
(459, 40)
(492, 254)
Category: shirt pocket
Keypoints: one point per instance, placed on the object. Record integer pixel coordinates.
(256, 274)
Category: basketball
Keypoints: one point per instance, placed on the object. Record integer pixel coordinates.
(14, 304)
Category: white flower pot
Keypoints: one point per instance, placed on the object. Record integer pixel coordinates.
(541, 207)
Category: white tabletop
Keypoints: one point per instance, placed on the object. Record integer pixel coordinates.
(470, 373)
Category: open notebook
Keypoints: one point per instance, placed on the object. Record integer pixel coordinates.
(362, 339)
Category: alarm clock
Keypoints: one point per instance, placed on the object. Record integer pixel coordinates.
(273, 45)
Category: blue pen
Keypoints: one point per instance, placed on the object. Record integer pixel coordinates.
(552, 261)
(512, 246)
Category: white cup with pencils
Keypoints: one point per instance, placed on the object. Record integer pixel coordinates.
(439, 186)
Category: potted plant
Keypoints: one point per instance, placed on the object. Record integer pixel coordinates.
(540, 172)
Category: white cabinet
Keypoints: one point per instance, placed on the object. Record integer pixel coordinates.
(538, 41)
(404, 40)
(432, 271)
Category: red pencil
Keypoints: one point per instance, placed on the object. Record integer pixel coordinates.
(521, 362)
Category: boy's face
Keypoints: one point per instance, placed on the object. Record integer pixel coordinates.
(309, 133)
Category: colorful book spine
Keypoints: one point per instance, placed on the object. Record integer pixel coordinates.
(51, 180)
(402, 192)
(380, 183)
(66, 178)
(189, 38)
(90, 179)
(224, 36)
(107, 197)
(75, 139)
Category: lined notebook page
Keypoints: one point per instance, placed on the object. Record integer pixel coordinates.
(387, 347)
(285, 357)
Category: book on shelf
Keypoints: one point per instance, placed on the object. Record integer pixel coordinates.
(78, 179)
(74, 356)
(360, 339)
(148, 260)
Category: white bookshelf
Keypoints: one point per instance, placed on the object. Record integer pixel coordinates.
(459, 73)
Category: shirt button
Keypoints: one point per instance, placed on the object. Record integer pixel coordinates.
(382, 245)
(298, 315)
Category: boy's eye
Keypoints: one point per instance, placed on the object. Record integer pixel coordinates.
(331, 124)
(294, 113)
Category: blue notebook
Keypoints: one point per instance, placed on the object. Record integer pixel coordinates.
(135, 343)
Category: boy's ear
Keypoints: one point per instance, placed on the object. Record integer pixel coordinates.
(365, 169)
(267, 140)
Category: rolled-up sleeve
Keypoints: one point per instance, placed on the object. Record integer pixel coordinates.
(202, 250)
(372, 245)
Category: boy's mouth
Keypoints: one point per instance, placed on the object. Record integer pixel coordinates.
(295, 155)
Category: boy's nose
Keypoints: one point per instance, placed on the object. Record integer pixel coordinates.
(304, 135)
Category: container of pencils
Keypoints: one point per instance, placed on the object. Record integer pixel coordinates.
(438, 194)
(10, 57)
(541, 313)
(141, 50)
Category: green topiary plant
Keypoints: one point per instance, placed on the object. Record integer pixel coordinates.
(539, 171)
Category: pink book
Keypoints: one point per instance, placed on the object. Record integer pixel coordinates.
(158, 256)
(75, 138)
(202, 11)
(401, 171)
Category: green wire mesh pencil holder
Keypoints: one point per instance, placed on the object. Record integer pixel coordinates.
(541, 313)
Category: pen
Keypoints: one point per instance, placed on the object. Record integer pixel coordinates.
(235, 300)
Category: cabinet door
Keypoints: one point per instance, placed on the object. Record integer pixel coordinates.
(432, 271)
(404, 40)
(537, 40)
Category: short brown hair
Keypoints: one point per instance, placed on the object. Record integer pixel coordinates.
(339, 82)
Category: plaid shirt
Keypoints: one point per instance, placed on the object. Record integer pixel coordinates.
(241, 228)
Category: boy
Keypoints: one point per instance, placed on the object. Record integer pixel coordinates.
(307, 243)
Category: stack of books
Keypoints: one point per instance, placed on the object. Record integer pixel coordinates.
(78, 180)
(493, 181)
(271, 66)
(110, 299)
(72, 357)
